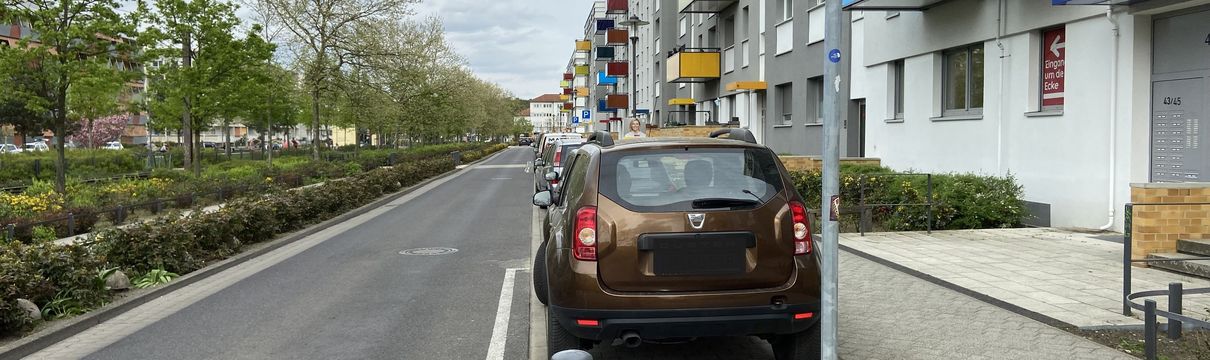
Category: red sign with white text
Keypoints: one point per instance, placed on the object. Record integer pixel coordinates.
(1054, 53)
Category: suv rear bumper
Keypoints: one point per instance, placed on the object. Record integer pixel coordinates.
(662, 324)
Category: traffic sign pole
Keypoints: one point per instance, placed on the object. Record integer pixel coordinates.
(832, 102)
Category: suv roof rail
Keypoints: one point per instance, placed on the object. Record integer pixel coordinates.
(735, 134)
(600, 137)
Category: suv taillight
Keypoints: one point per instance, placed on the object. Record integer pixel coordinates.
(558, 155)
(802, 228)
(585, 245)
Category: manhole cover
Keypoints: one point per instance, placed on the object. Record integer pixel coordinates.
(429, 251)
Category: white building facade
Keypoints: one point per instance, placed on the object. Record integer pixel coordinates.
(1069, 100)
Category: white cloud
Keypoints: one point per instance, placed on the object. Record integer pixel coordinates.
(523, 45)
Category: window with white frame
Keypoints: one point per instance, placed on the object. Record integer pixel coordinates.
(962, 79)
(684, 26)
(787, 9)
(785, 93)
(896, 85)
(816, 84)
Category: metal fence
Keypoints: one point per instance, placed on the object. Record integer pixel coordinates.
(1175, 292)
(865, 210)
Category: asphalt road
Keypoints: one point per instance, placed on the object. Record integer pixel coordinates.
(354, 296)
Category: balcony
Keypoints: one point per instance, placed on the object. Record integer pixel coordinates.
(568, 91)
(604, 25)
(617, 69)
(605, 53)
(565, 84)
(568, 106)
(603, 80)
(583, 45)
(704, 6)
(617, 36)
(568, 76)
(565, 97)
(617, 6)
(582, 92)
(617, 101)
(581, 70)
(694, 65)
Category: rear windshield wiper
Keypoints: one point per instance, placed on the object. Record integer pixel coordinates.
(714, 203)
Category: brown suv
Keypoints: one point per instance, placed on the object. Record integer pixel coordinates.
(676, 238)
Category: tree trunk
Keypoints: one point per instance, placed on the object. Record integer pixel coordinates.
(227, 137)
(186, 113)
(315, 123)
(61, 133)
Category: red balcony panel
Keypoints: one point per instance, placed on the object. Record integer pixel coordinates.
(617, 36)
(617, 6)
(568, 91)
(617, 69)
(569, 106)
(568, 76)
(617, 101)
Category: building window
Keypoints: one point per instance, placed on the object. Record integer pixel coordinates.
(684, 26)
(787, 9)
(897, 87)
(744, 21)
(785, 93)
(656, 89)
(729, 32)
(963, 81)
(816, 85)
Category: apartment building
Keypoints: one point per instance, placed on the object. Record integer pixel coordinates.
(136, 129)
(546, 113)
(1077, 102)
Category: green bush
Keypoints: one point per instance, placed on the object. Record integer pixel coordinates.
(18, 169)
(961, 201)
(42, 272)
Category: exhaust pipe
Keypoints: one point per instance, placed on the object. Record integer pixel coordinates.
(631, 339)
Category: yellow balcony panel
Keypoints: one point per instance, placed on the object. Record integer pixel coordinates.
(583, 45)
(704, 6)
(582, 70)
(681, 101)
(565, 84)
(694, 65)
(582, 91)
(747, 86)
(565, 97)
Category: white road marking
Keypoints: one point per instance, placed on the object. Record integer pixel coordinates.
(511, 166)
(495, 349)
(537, 311)
(501, 178)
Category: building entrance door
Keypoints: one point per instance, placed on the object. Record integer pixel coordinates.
(1180, 97)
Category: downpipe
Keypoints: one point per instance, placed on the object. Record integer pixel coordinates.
(1113, 120)
(1003, 99)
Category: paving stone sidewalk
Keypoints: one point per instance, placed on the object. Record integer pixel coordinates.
(1073, 278)
(888, 314)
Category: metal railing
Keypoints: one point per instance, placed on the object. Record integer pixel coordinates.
(1175, 292)
(865, 210)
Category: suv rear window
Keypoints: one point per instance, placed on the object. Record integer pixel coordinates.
(688, 179)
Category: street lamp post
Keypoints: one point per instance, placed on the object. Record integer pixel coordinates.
(633, 22)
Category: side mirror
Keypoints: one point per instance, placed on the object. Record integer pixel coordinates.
(539, 162)
(543, 199)
(552, 176)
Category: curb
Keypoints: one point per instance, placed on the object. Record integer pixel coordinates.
(38, 341)
(1052, 322)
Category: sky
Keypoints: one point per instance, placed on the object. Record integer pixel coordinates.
(522, 45)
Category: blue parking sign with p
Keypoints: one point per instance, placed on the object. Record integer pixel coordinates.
(586, 115)
(575, 119)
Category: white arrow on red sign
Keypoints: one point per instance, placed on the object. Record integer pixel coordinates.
(1058, 44)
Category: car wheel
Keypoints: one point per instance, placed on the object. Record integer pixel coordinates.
(558, 338)
(540, 285)
(801, 346)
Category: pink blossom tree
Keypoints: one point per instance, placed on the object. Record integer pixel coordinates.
(93, 133)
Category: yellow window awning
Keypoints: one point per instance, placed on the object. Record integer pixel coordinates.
(681, 101)
(747, 86)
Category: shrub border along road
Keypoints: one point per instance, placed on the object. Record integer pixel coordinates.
(56, 333)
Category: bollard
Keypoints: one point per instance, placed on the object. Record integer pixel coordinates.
(11, 233)
(1149, 329)
(37, 168)
(391, 160)
(71, 224)
(457, 157)
(1175, 292)
(1127, 243)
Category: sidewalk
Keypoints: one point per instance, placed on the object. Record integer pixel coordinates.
(1059, 276)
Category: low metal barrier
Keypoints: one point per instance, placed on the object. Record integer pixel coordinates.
(1175, 292)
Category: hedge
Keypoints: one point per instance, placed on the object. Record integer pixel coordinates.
(49, 274)
(961, 201)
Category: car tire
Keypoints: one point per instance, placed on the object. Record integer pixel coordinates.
(540, 284)
(800, 346)
(558, 338)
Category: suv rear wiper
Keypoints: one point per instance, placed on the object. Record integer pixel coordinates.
(714, 203)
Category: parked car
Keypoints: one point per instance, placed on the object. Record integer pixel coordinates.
(545, 141)
(553, 163)
(673, 238)
(36, 146)
(525, 141)
(9, 149)
(112, 145)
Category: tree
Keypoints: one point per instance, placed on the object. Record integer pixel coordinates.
(210, 79)
(327, 36)
(96, 97)
(76, 40)
(100, 131)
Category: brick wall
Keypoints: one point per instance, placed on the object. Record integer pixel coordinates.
(809, 163)
(682, 131)
(1156, 228)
